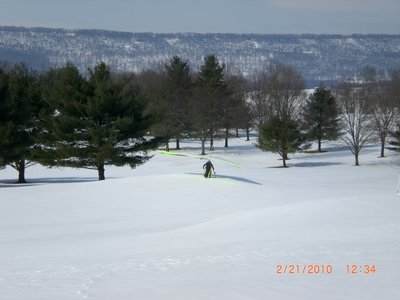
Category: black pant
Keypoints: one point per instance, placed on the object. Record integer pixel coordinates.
(207, 174)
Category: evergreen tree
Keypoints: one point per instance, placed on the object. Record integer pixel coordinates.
(395, 95)
(152, 84)
(321, 117)
(20, 111)
(177, 89)
(282, 136)
(235, 112)
(208, 100)
(395, 142)
(97, 122)
(5, 126)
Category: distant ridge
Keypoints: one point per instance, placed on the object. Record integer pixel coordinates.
(113, 32)
(320, 58)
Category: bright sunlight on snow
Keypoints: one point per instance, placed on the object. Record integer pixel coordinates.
(320, 229)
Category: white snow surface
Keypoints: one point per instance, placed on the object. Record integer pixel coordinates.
(163, 231)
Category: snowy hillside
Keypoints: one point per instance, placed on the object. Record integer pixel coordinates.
(162, 231)
(320, 58)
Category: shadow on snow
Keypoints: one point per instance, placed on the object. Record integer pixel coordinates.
(314, 164)
(241, 179)
(8, 183)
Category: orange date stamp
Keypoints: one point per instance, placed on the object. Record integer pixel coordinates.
(324, 269)
(355, 269)
(310, 269)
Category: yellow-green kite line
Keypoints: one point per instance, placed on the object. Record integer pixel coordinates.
(212, 158)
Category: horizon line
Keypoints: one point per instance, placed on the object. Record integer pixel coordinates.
(198, 33)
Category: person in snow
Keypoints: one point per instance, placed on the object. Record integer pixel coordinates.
(208, 166)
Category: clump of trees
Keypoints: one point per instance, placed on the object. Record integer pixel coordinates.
(369, 110)
(63, 118)
(204, 105)
(356, 113)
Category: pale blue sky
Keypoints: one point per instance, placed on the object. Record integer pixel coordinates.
(234, 16)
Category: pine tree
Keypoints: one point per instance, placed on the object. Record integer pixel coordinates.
(97, 122)
(5, 128)
(179, 82)
(235, 112)
(208, 100)
(282, 136)
(176, 94)
(394, 144)
(21, 107)
(395, 95)
(321, 117)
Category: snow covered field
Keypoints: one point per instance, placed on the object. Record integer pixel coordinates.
(162, 231)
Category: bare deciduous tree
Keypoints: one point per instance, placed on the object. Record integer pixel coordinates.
(355, 118)
(381, 96)
(384, 113)
(279, 91)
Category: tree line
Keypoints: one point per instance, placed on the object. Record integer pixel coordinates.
(62, 118)
(356, 113)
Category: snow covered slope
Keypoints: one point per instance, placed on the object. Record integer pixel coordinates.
(163, 231)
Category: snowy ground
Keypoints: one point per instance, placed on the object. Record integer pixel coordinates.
(162, 231)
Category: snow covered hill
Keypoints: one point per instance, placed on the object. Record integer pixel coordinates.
(163, 231)
(319, 58)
